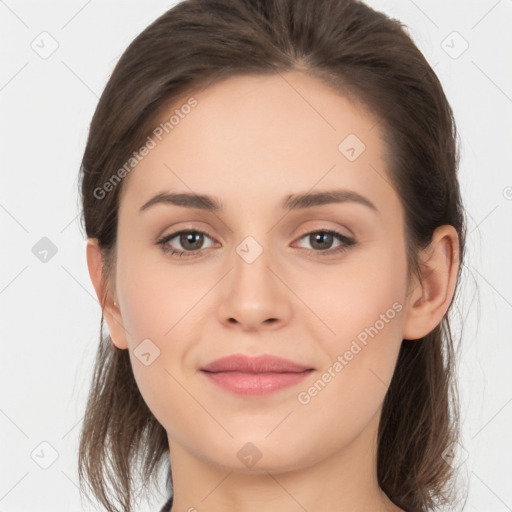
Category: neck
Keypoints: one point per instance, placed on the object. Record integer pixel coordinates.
(346, 480)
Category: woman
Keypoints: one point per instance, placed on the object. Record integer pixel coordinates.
(275, 234)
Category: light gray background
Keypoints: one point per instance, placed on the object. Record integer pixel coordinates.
(49, 313)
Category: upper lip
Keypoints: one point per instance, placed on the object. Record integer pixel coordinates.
(260, 364)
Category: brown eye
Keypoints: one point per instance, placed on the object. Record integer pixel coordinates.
(321, 241)
(190, 241)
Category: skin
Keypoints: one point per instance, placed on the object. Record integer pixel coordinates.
(252, 141)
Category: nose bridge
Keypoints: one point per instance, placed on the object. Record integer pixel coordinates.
(253, 295)
(251, 262)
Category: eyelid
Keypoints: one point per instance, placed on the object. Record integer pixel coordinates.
(173, 234)
(184, 226)
(345, 242)
(310, 231)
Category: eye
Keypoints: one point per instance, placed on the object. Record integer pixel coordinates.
(321, 241)
(190, 240)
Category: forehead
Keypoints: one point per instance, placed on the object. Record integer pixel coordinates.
(252, 135)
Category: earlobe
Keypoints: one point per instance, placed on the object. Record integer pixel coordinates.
(431, 297)
(109, 307)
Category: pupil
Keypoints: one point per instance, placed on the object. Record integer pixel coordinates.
(189, 237)
(319, 237)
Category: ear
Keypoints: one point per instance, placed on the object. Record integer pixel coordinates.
(430, 298)
(110, 310)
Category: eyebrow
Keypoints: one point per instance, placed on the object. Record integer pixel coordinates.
(291, 202)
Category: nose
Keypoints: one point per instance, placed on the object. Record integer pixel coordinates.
(254, 295)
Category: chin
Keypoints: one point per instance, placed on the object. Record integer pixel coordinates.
(260, 455)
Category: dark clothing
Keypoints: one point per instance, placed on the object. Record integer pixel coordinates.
(167, 505)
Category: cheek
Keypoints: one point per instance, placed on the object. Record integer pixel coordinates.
(363, 292)
(363, 309)
(156, 296)
(350, 389)
(153, 306)
(160, 307)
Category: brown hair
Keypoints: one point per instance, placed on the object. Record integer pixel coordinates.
(361, 53)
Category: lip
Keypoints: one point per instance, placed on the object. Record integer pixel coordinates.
(260, 364)
(259, 375)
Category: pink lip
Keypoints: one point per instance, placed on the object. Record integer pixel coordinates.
(260, 375)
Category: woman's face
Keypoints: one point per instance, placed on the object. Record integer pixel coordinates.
(259, 278)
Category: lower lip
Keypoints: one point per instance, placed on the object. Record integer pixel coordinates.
(255, 383)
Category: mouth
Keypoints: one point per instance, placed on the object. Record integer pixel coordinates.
(260, 375)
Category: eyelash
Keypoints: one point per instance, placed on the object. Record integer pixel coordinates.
(347, 243)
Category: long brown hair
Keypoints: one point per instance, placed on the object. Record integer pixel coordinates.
(361, 53)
